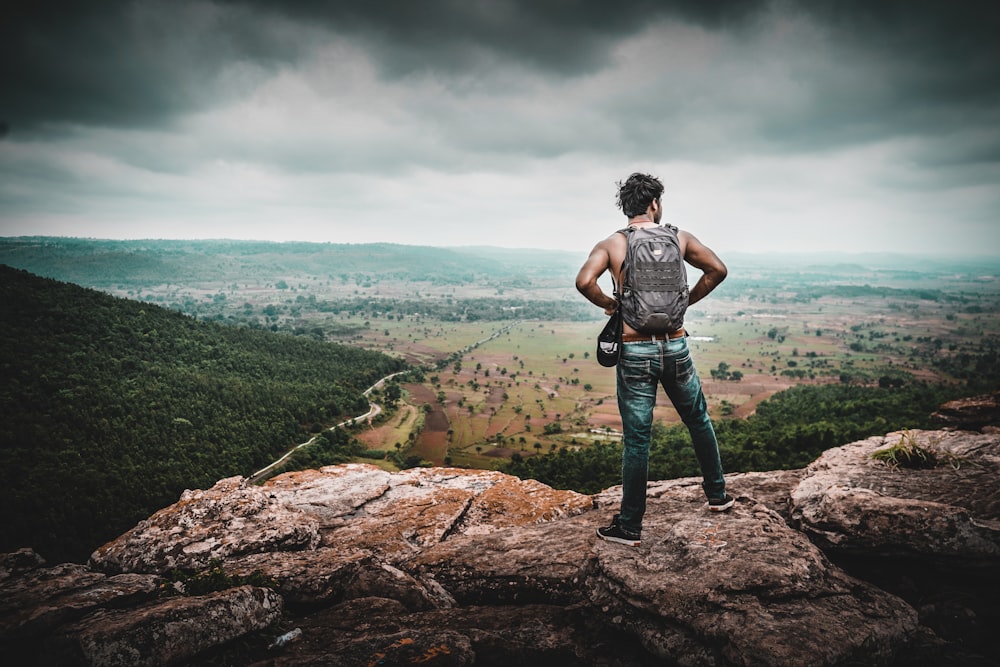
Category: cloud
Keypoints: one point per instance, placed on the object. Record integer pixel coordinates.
(500, 122)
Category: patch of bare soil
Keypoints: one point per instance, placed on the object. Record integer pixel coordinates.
(420, 393)
(499, 452)
(374, 438)
(495, 397)
(599, 420)
(434, 421)
(432, 446)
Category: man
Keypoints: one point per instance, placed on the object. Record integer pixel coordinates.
(647, 361)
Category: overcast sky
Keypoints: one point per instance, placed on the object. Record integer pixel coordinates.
(850, 125)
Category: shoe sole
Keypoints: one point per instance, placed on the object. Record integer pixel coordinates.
(618, 540)
(721, 508)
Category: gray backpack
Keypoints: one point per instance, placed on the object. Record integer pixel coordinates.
(654, 290)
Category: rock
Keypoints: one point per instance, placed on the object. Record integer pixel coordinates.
(332, 492)
(848, 561)
(230, 519)
(930, 534)
(702, 589)
(772, 489)
(167, 632)
(852, 502)
(375, 631)
(326, 576)
(524, 565)
(742, 588)
(424, 506)
(42, 599)
(971, 414)
(19, 561)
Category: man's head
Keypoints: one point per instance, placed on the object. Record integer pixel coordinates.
(637, 193)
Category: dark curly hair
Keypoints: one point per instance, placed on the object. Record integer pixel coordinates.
(637, 193)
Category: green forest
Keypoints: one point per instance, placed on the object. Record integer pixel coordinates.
(113, 407)
(788, 431)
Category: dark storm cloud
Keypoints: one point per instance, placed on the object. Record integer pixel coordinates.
(936, 66)
(116, 63)
(560, 37)
(133, 63)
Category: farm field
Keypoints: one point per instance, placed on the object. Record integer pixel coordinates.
(537, 387)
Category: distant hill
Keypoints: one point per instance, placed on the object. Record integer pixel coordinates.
(113, 407)
(862, 263)
(541, 274)
(104, 263)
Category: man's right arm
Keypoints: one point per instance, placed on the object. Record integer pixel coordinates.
(700, 256)
(586, 280)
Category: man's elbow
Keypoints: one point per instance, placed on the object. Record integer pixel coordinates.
(720, 273)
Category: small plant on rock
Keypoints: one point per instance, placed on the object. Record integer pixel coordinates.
(906, 453)
(210, 580)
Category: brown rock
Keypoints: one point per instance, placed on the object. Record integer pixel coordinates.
(168, 632)
(19, 561)
(327, 576)
(457, 567)
(41, 599)
(852, 502)
(972, 414)
(741, 588)
(528, 564)
(737, 588)
(420, 507)
(332, 492)
(369, 630)
(230, 519)
(929, 533)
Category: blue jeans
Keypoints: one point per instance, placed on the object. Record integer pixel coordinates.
(641, 368)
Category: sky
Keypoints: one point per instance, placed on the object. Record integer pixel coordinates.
(857, 126)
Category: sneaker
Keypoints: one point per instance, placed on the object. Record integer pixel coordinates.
(615, 533)
(721, 504)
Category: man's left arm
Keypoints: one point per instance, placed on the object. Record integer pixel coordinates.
(700, 256)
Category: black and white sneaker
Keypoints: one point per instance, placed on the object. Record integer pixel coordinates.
(615, 533)
(721, 504)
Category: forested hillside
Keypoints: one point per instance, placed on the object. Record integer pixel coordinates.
(112, 407)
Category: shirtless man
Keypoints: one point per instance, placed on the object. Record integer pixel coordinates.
(648, 361)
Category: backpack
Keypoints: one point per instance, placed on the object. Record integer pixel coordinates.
(654, 289)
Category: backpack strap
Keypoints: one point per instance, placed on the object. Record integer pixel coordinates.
(619, 290)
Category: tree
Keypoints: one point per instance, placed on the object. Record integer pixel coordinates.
(392, 393)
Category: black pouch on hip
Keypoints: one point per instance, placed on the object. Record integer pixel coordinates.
(609, 342)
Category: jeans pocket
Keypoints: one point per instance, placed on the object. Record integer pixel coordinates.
(634, 369)
(684, 369)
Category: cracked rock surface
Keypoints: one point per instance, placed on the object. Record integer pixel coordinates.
(439, 566)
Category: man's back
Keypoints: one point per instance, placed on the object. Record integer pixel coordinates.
(610, 255)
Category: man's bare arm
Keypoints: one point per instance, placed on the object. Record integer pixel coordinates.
(702, 257)
(586, 280)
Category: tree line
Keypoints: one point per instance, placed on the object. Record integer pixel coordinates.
(788, 431)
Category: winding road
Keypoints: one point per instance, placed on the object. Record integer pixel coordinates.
(373, 410)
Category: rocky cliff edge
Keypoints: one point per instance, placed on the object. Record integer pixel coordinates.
(869, 556)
